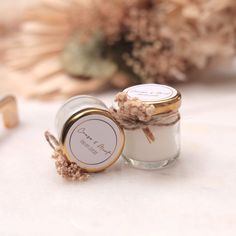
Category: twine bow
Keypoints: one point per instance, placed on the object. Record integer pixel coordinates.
(68, 170)
(132, 113)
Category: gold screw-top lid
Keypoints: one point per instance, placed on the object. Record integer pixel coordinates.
(163, 97)
(92, 139)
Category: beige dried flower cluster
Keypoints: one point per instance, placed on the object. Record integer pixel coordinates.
(170, 37)
(174, 37)
(131, 112)
(68, 170)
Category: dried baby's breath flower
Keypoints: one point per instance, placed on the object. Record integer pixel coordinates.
(173, 37)
(132, 113)
(68, 170)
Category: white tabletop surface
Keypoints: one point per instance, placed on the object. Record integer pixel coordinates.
(196, 196)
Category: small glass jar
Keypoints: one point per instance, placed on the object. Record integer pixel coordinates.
(88, 133)
(138, 150)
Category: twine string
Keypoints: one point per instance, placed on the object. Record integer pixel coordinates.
(52, 141)
(131, 113)
(65, 168)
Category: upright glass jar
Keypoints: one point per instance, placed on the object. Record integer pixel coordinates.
(138, 150)
(88, 133)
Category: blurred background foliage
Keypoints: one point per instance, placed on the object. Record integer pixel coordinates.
(60, 48)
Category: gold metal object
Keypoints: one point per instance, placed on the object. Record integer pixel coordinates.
(8, 108)
(167, 105)
(81, 114)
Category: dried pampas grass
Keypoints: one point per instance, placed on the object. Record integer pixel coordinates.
(35, 53)
(167, 39)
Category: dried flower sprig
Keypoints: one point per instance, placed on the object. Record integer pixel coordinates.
(133, 109)
(175, 37)
(68, 170)
(132, 113)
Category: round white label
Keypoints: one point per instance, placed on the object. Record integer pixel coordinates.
(151, 92)
(94, 142)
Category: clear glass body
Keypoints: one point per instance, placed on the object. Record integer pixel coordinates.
(164, 150)
(73, 106)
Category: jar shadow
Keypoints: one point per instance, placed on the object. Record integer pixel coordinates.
(176, 171)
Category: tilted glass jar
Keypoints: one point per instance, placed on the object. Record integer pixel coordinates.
(88, 133)
(140, 151)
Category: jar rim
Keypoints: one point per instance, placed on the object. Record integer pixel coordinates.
(162, 103)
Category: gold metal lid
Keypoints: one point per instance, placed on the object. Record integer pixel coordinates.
(163, 97)
(92, 139)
